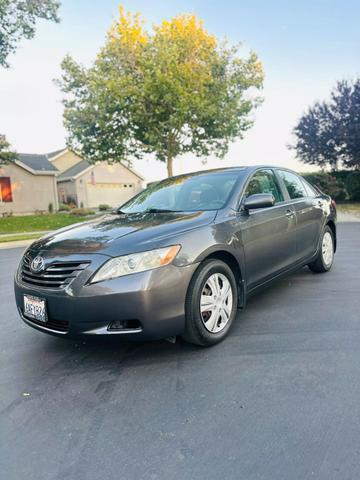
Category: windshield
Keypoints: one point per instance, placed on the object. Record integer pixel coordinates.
(186, 193)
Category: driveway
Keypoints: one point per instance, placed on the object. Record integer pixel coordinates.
(278, 400)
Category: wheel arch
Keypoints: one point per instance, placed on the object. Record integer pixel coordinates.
(332, 226)
(230, 259)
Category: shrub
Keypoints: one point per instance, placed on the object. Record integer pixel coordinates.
(7, 214)
(64, 208)
(103, 207)
(82, 211)
(328, 184)
(353, 186)
(51, 208)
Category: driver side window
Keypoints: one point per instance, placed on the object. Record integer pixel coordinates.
(264, 181)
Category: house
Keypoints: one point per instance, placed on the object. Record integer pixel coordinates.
(90, 185)
(28, 184)
(37, 182)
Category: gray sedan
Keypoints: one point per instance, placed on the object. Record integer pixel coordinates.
(179, 258)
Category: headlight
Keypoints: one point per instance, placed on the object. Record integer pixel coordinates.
(135, 263)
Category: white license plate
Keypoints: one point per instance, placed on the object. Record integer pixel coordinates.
(35, 308)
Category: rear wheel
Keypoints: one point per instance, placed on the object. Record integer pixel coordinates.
(211, 303)
(324, 260)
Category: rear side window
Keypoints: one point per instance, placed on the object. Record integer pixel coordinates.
(294, 184)
(310, 189)
(264, 181)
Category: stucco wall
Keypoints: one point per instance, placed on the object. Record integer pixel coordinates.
(82, 192)
(29, 192)
(110, 184)
(66, 160)
(73, 189)
(104, 172)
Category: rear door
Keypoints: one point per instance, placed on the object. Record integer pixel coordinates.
(309, 213)
(267, 234)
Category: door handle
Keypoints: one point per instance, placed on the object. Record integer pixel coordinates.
(289, 213)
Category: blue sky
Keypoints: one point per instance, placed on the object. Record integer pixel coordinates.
(305, 46)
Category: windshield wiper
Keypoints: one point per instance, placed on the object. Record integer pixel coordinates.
(148, 210)
(158, 210)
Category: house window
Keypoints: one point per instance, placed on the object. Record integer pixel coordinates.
(5, 190)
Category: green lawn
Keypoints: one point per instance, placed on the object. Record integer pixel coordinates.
(349, 207)
(33, 223)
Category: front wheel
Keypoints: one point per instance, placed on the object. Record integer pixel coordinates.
(324, 260)
(211, 303)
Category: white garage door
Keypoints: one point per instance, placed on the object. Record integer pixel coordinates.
(113, 194)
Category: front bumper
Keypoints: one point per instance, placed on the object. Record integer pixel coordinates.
(153, 301)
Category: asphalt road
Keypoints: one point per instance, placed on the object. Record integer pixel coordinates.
(278, 400)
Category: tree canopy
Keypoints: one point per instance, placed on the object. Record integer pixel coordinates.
(328, 134)
(6, 153)
(171, 91)
(18, 19)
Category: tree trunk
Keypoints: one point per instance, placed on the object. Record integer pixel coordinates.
(169, 165)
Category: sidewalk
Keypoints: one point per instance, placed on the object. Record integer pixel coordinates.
(40, 232)
(348, 216)
(16, 244)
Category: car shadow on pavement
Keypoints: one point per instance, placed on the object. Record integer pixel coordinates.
(109, 353)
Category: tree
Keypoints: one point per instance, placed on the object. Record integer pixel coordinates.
(18, 19)
(6, 154)
(353, 186)
(328, 134)
(168, 92)
(328, 184)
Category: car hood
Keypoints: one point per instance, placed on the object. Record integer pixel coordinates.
(117, 234)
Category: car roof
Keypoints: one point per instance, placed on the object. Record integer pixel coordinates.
(240, 168)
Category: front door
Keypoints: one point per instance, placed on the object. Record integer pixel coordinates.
(268, 235)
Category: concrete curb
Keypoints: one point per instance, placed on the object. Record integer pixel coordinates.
(40, 232)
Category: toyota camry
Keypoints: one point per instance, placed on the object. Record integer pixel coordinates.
(178, 259)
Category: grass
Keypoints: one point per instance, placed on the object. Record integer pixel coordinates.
(34, 223)
(349, 207)
(15, 238)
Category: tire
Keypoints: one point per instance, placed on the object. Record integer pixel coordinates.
(213, 286)
(325, 257)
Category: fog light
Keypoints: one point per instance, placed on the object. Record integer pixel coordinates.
(124, 325)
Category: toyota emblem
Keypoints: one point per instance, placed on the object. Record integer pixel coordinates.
(38, 264)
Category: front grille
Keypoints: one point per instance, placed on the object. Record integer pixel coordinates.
(52, 324)
(55, 275)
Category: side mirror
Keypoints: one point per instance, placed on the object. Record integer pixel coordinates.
(259, 200)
